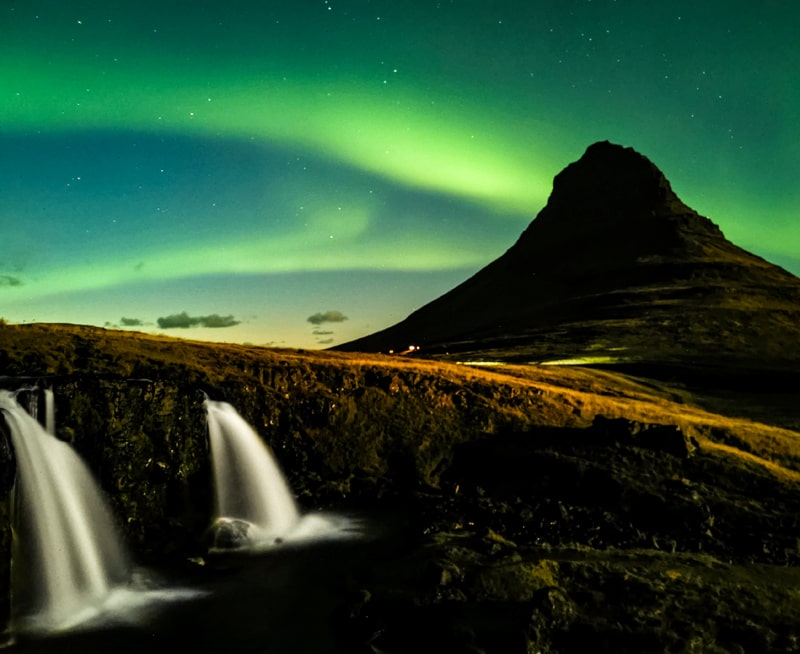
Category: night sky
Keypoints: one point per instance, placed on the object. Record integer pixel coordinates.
(304, 173)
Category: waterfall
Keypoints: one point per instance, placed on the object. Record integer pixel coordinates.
(254, 504)
(40, 404)
(66, 553)
(50, 412)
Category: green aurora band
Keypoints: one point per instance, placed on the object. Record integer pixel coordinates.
(466, 104)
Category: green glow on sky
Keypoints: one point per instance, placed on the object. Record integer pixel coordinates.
(423, 140)
(410, 138)
(326, 242)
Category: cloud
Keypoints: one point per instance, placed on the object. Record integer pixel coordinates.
(215, 320)
(131, 322)
(321, 332)
(8, 280)
(177, 320)
(328, 316)
(325, 341)
(183, 320)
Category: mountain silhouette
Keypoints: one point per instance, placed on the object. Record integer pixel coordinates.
(614, 268)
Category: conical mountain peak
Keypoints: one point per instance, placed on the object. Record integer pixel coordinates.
(611, 181)
(615, 266)
(614, 203)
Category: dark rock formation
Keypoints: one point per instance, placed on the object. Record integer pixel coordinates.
(663, 438)
(229, 533)
(614, 268)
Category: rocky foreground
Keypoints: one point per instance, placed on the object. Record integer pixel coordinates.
(537, 508)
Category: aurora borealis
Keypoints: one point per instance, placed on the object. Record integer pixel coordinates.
(252, 165)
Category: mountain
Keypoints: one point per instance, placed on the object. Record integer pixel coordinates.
(614, 269)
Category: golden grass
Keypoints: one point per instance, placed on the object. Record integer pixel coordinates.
(556, 396)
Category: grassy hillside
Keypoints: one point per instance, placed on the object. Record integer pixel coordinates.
(555, 395)
(541, 504)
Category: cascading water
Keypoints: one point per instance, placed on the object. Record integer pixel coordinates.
(255, 508)
(254, 504)
(66, 554)
(40, 404)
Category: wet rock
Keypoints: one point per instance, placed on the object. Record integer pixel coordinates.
(7, 466)
(229, 533)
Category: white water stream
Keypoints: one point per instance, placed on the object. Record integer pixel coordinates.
(69, 566)
(255, 507)
(66, 554)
